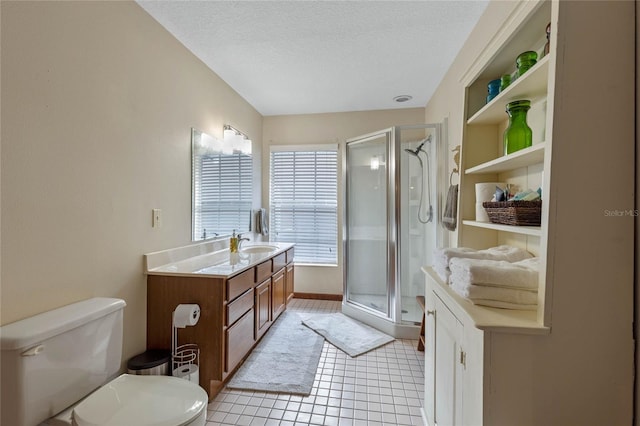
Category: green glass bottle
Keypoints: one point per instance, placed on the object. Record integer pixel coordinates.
(505, 81)
(518, 135)
(525, 61)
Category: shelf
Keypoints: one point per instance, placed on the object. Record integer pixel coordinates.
(486, 318)
(533, 86)
(525, 157)
(524, 230)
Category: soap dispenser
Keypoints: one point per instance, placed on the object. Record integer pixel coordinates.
(233, 242)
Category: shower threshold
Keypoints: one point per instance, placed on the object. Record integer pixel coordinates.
(368, 316)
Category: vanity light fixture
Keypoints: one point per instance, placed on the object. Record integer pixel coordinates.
(235, 140)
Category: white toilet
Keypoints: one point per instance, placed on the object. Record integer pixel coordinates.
(53, 360)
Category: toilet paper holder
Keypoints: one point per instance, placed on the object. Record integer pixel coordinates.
(184, 358)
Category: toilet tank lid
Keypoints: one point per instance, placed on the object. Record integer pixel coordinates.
(33, 330)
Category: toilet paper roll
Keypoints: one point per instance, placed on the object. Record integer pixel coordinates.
(481, 213)
(486, 190)
(186, 314)
(188, 372)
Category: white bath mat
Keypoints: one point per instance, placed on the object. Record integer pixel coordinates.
(285, 360)
(351, 336)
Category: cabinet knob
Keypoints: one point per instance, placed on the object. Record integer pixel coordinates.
(431, 312)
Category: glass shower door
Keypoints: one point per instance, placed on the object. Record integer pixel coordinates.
(366, 225)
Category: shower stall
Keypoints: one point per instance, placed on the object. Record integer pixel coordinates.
(391, 226)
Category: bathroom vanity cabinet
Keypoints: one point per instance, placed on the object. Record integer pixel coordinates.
(235, 312)
(500, 366)
(477, 360)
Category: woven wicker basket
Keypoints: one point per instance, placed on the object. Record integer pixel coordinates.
(524, 213)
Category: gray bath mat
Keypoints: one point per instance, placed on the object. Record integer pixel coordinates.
(285, 360)
(347, 334)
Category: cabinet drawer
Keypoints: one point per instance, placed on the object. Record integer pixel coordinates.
(279, 261)
(239, 284)
(239, 340)
(263, 271)
(290, 255)
(238, 307)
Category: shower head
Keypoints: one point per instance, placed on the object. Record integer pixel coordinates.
(416, 153)
(419, 148)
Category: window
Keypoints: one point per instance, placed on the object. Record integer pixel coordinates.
(222, 192)
(304, 201)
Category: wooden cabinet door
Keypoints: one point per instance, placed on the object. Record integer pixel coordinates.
(278, 297)
(448, 366)
(239, 340)
(289, 283)
(263, 308)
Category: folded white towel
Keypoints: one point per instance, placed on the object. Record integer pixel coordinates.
(442, 271)
(521, 275)
(443, 257)
(499, 294)
(504, 305)
(504, 252)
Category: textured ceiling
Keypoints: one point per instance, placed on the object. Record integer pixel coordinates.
(298, 57)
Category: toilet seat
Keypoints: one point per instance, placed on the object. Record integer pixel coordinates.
(143, 401)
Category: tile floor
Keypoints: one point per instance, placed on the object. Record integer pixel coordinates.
(382, 387)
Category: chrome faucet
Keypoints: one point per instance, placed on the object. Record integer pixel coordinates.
(240, 240)
(204, 234)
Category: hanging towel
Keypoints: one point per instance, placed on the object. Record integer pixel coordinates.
(449, 219)
(261, 222)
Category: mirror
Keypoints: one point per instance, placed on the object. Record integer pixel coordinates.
(221, 191)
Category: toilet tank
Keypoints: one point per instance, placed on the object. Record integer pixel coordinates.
(54, 359)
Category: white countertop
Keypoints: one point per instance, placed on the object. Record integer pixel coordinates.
(216, 264)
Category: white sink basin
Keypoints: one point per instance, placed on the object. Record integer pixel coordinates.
(262, 248)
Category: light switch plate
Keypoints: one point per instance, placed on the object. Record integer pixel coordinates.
(156, 221)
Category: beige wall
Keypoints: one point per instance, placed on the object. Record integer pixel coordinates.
(322, 129)
(97, 105)
(448, 99)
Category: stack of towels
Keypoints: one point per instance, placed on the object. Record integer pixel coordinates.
(501, 277)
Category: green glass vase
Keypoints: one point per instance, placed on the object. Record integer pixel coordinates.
(518, 135)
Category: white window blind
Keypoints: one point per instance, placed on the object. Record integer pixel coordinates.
(304, 203)
(224, 195)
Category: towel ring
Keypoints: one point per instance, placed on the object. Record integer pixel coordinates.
(451, 175)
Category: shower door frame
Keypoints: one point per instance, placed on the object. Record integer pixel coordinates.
(394, 225)
(391, 231)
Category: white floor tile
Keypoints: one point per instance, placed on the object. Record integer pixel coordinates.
(381, 387)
